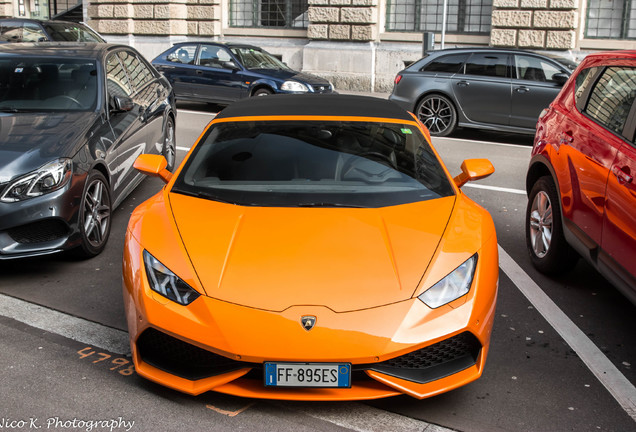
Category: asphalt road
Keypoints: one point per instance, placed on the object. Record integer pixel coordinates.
(562, 353)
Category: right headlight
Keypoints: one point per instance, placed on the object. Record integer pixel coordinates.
(166, 283)
(453, 286)
(48, 178)
(294, 86)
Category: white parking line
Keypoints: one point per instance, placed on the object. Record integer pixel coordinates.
(212, 115)
(495, 188)
(604, 370)
(463, 140)
(52, 321)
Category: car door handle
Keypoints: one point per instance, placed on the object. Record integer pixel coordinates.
(522, 89)
(622, 176)
(199, 72)
(463, 83)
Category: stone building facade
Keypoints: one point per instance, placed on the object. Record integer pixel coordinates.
(346, 41)
(532, 24)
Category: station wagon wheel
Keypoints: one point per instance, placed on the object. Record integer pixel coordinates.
(262, 92)
(169, 145)
(549, 251)
(94, 215)
(438, 114)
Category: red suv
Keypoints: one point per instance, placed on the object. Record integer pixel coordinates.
(580, 182)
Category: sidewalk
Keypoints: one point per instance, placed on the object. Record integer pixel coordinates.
(361, 93)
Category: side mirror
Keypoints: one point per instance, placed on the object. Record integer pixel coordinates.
(474, 169)
(154, 166)
(560, 78)
(121, 103)
(230, 65)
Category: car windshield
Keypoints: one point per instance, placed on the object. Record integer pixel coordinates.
(256, 59)
(313, 163)
(47, 84)
(65, 32)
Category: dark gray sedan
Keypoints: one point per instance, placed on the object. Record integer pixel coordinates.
(73, 119)
(495, 89)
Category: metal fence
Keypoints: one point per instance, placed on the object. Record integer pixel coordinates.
(463, 16)
(269, 13)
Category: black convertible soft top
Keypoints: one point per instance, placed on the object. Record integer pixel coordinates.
(315, 105)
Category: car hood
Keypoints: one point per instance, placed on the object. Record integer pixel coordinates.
(288, 74)
(30, 140)
(344, 259)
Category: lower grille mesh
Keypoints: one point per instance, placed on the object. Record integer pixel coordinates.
(40, 231)
(181, 358)
(435, 361)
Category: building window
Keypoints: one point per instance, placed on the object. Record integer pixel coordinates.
(611, 19)
(269, 13)
(462, 16)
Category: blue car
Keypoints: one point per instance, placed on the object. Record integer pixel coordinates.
(223, 73)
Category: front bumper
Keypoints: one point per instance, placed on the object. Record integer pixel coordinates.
(401, 348)
(41, 225)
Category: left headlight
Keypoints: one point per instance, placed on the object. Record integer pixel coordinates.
(166, 283)
(294, 86)
(48, 178)
(452, 287)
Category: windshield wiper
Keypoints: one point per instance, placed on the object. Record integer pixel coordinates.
(328, 204)
(197, 194)
(202, 194)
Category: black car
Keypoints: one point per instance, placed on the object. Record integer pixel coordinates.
(73, 119)
(495, 89)
(223, 73)
(33, 30)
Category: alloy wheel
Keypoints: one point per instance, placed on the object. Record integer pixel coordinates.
(541, 224)
(169, 146)
(437, 115)
(96, 212)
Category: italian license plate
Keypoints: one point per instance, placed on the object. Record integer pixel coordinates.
(307, 375)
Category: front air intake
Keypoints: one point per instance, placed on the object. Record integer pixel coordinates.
(182, 359)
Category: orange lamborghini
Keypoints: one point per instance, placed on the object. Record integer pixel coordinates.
(311, 248)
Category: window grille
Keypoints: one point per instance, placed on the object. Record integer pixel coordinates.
(611, 19)
(60, 6)
(462, 16)
(269, 13)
